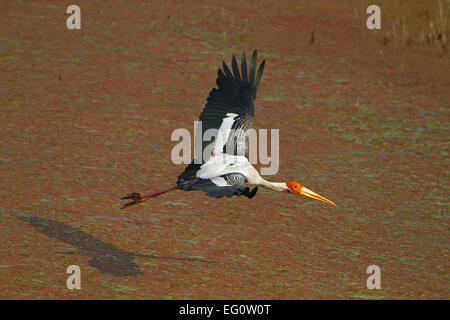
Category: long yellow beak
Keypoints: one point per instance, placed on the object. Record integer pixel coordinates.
(311, 194)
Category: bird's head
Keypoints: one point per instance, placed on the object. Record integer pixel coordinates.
(296, 188)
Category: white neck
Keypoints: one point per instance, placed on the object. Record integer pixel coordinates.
(254, 179)
(277, 186)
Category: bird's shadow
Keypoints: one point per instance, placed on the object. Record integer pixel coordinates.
(106, 258)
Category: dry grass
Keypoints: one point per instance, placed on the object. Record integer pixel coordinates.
(236, 30)
(427, 27)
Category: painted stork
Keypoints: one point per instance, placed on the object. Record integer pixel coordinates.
(225, 173)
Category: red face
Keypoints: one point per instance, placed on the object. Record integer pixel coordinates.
(294, 187)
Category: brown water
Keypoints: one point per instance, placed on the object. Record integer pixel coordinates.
(87, 117)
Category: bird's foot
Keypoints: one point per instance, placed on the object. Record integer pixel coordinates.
(136, 198)
(250, 194)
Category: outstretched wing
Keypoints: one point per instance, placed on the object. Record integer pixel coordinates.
(230, 109)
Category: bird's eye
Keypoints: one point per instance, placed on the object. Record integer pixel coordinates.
(295, 187)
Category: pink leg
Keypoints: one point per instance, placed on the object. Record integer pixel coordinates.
(155, 194)
(138, 198)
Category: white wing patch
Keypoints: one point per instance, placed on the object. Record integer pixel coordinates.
(222, 164)
(220, 182)
(224, 132)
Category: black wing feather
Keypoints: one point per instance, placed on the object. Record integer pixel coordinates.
(235, 67)
(228, 74)
(251, 74)
(235, 93)
(244, 68)
(259, 74)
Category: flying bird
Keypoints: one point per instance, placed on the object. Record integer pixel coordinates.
(230, 109)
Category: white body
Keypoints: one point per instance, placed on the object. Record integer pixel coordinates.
(222, 164)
